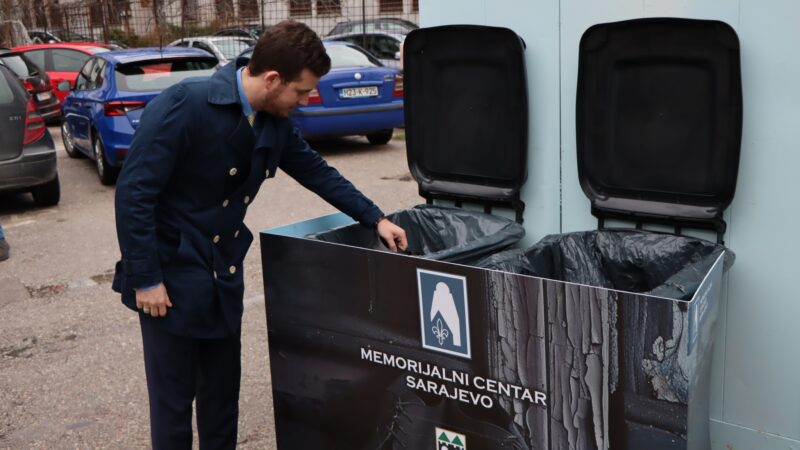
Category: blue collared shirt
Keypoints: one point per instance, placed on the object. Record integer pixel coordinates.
(247, 109)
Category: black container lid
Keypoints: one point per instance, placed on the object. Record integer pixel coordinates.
(466, 113)
(659, 120)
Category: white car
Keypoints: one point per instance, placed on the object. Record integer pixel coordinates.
(387, 47)
(224, 48)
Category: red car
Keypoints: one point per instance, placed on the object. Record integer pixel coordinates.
(62, 61)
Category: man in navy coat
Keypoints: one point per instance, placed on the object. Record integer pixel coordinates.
(201, 151)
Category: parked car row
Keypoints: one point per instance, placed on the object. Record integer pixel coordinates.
(27, 152)
(99, 93)
(103, 109)
(357, 97)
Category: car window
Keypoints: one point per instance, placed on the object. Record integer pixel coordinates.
(37, 57)
(182, 44)
(97, 73)
(22, 67)
(6, 95)
(346, 56)
(230, 48)
(68, 60)
(83, 83)
(96, 50)
(150, 76)
(384, 47)
(202, 46)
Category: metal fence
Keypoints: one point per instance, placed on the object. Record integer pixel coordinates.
(136, 23)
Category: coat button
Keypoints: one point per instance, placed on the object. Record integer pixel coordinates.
(225, 203)
(246, 199)
(233, 171)
(216, 238)
(232, 269)
(236, 234)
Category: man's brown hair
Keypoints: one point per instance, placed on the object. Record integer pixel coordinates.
(288, 47)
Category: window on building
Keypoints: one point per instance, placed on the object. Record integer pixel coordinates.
(299, 8)
(96, 14)
(248, 9)
(415, 5)
(189, 10)
(117, 10)
(390, 6)
(224, 9)
(39, 13)
(329, 7)
(56, 16)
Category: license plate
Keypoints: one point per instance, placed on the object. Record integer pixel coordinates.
(42, 96)
(359, 92)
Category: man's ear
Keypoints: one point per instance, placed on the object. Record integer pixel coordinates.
(271, 79)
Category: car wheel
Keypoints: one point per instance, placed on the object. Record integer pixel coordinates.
(106, 172)
(47, 194)
(380, 137)
(69, 143)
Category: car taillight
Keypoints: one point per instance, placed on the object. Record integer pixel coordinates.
(314, 97)
(398, 86)
(34, 124)
(28, 85)
(121, 108)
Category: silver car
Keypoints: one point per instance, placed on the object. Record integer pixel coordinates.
(225, 48)
(27, 152)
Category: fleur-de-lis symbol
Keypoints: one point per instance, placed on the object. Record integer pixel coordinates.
(440, 331)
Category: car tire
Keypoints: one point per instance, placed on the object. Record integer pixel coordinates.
(380, 137)
(69, 144)
(105, 171)
(47, 194)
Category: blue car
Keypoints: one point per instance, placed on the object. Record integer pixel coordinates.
(103, 110)
(357, 97)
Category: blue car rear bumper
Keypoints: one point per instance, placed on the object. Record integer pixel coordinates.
(320, 121)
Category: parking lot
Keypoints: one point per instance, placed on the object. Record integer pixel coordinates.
(71, 368)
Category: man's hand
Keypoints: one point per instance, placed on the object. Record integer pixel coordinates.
(153, 301)
(392, 234)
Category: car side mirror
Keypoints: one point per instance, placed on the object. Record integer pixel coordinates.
(63, 86)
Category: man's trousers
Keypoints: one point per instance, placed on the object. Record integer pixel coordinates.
(181, 369)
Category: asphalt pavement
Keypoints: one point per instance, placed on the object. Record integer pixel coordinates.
(71, 367)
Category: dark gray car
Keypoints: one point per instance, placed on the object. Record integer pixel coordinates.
(27, 152)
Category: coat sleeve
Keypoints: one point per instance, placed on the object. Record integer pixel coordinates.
(160, 139)
(306, 166)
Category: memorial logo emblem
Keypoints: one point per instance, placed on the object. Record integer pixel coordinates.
(448, 440)
(444, 315)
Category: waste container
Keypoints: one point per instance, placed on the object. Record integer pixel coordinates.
(437, 232)
(377, 350)
(651, 382)
(658, 135)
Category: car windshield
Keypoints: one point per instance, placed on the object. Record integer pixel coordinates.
(98, 49)
(230, 48)
(20, 66)
(153, 76)
(346, 56)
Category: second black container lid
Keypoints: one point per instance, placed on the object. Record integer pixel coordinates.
(659, 120)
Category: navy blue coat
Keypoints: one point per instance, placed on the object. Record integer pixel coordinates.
(194, 166)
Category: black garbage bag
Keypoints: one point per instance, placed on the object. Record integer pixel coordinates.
(437, 232)
(645, 262)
